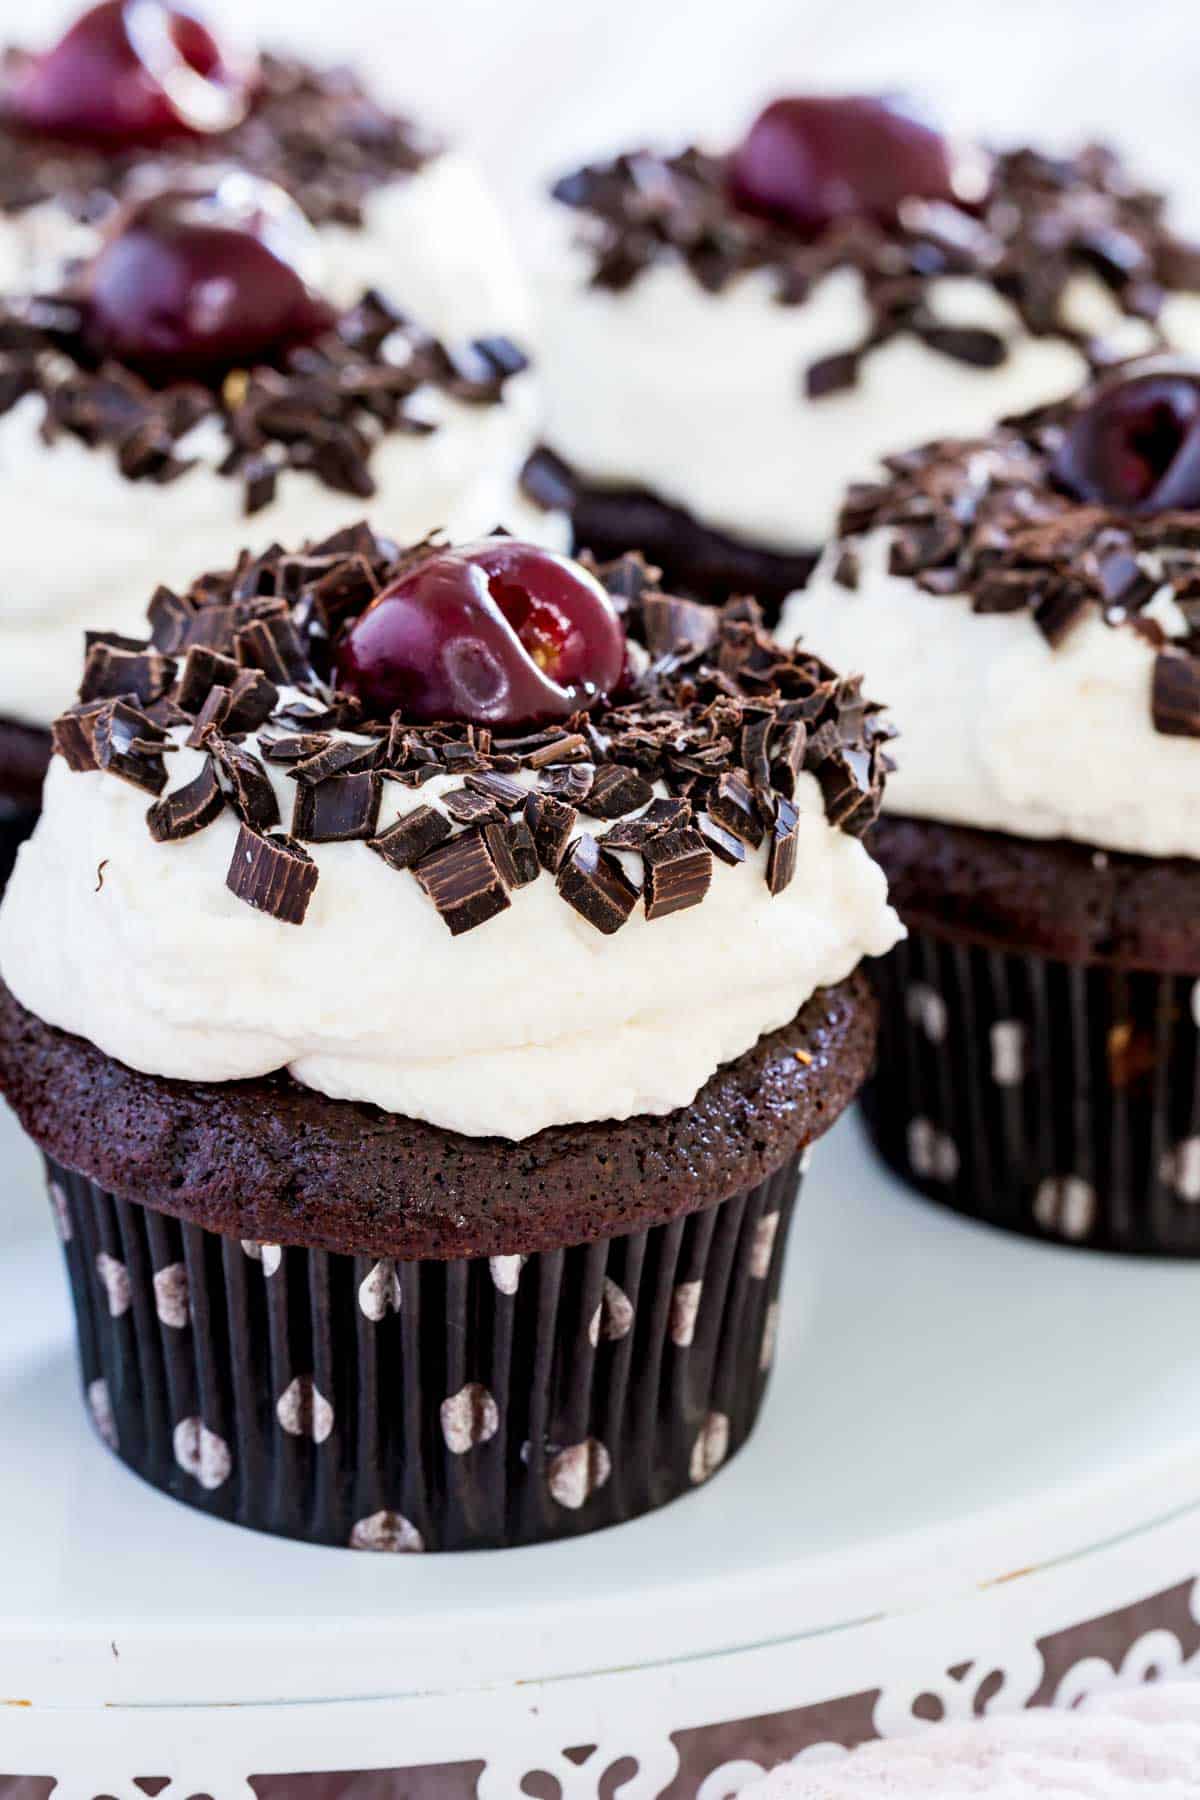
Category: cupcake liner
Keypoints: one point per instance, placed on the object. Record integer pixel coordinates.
(1057, 1099)
(429, 1405)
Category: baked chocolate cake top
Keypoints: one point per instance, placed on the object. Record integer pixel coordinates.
(693, 751)
(316, 132)
(1040, 223)
(275, 1162)
(321, 406)
(1092, 503)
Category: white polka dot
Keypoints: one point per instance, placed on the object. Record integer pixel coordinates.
(711, 1447)
(1007, 1038)
(469, 1417)
(303, 1410)
(927, 1009)
(574, 1475)
(388, 1532)
(202, 1454)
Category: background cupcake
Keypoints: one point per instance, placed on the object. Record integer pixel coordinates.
(560, 1008)
(131, 93)
(731, 337)
(192, 383)
(1031, 598)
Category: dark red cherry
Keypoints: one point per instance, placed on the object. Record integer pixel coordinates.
(193, 282)
(496, 633)
(1136, 443)
(812, 160)
(132, 73)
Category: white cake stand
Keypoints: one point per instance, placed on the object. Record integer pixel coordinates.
(976, 1486)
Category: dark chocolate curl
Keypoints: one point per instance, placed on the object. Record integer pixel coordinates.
(275, 875)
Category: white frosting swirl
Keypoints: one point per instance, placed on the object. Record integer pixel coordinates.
(530, 1020)
(85, 547)
(1000, 729)
(434, 241)
(700, 398)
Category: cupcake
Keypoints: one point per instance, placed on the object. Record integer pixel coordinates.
(1031, 597)
(134, 92)
(732, 337)
(192, 382)
(424, 983)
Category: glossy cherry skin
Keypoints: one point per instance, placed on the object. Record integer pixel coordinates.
(129, 74)
(1136, 444)
(191, 283)
(497, 633)
(810, 161)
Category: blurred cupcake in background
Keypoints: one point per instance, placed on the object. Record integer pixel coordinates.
(1032, 599)
(732, 336)
(138, 89)
(216, 369)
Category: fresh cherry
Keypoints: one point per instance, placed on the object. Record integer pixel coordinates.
(1136, 443)
(132, 73)
(810, 161)
(495, 633)
(193, 282)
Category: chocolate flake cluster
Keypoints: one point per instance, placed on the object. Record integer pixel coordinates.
(723, 717)
(983, 518)
(324, 409)
(1045, 220)
(314, 132)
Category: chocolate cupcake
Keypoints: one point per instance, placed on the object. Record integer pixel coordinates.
(425, 982)
(144, 425)
(1031, 597)
(731, 337)
(134, 93)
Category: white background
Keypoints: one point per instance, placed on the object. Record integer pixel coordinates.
(533, 84)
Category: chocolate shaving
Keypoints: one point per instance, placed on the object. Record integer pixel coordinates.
(507, 794)
(551, 823)
(513, 851)
(340, 808)
(614, 791)
(678, 872)
(731, 805)
(250, 787)
(467, 808)
(1175, 696)
(463, 882)
(203, 669)
(594, 883)
(187, 809)
(126, 743)
(659, 817)
(413, 834)
(275, 875)
(140, 675)
(781, 848)
(722, 843)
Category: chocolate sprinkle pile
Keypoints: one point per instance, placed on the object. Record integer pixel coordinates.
(323, 409)
(314, 132)
(983, 518)
(1045, 221)
(723, 717)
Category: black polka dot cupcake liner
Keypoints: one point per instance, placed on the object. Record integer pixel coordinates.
(423, 1406)
(1057, 1099)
